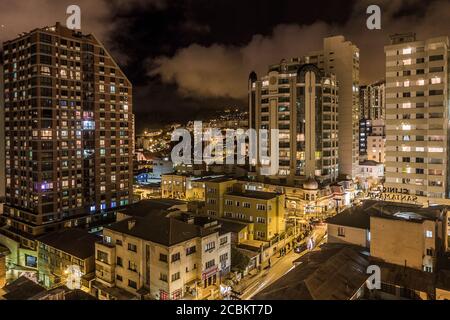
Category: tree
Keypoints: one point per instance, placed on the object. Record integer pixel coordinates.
(239, 261)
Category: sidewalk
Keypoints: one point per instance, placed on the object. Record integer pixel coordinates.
(255, 275)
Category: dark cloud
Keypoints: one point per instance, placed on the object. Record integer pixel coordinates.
(186, 57)
(219, 70)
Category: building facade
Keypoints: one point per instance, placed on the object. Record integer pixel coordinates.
(409, 239)
(372, 100)
(68, 119)
(276, 101)
(341, 57)
(417, 115)
(160, 258)
(264, 211)
(376, 141)
(302, 103)
(66, 257)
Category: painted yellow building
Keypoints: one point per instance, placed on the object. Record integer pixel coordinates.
(185, 187)
(264, 209)
(215, 190)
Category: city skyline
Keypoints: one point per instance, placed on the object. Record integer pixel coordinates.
(173, 35)
(251, 151)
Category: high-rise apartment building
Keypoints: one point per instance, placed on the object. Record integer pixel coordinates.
(68, 121)
(417, 115)
(2, 137)
(277, 101)
(372, 103)
(373, 100)
(301, 101)
(376, 141)
(341, 57)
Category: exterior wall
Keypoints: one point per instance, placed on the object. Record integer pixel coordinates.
(2, 271)
(53, 265)
(2, 139)
(280, 101)
(157, 275)
(341, 57)
(68, 137)
(173, 186)
(214, 196)
(375, 172)
(273, 215)
(403, 242)
(355, 236)
(417, 116)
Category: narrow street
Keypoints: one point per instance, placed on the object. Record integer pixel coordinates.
(280, 268)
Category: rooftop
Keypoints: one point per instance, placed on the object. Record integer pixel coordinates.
(370, 163)
(76, 242)
(332, 273)
(162, 230)
(359, 216)
(150, 207)
(22, 289)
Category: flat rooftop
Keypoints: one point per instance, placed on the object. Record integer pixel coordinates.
(359, 216)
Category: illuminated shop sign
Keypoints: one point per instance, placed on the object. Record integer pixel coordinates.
(393, 194)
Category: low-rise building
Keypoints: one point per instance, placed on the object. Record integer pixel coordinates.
(400, 234)
(214, 197)
(226, 198)
(264, 209)
(351, 226)
(66, 257)
(371, 173)
(161, 258)
(409, 236)
(184, 187)
(3, 252)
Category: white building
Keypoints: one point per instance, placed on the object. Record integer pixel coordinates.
(417, 120)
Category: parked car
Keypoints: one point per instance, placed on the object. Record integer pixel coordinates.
(300, 248)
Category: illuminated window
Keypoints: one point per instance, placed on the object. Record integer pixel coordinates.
(435, 80)
(406, 127)
(429, 234)
(45, 71)
(407, 62)
(407, 51)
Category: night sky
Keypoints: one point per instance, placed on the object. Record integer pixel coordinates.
(187, 58)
